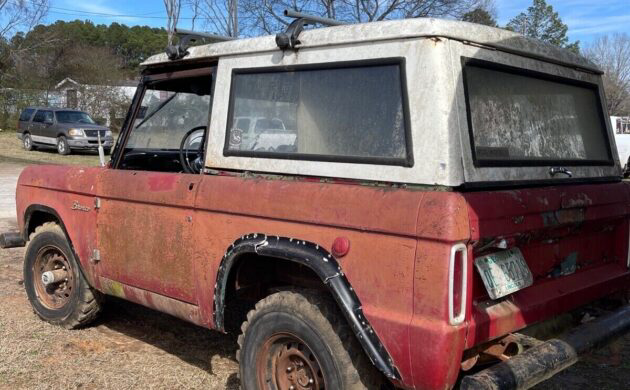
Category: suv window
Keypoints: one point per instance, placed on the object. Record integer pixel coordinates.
(43, 116)
(26, 115)
(519, 118)
(353, 114)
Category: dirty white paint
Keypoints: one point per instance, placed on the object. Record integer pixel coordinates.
(432, 50)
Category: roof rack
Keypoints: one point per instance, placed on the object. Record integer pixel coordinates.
(289, 38)
(186, 37)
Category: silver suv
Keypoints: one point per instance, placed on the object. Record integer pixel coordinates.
(63, 128)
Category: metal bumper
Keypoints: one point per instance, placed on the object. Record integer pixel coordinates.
(89, 143)
(11, 240)
(547, 359)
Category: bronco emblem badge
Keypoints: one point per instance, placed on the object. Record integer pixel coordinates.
(77, 206)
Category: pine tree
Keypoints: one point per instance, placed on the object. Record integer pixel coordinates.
(480, 16)
(541, 22)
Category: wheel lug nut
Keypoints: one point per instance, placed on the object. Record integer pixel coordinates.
(289, 369)
(311, 381)
(291, 387)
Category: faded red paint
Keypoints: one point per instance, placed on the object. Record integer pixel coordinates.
(162, 237)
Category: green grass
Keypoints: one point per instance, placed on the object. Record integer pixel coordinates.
(11, 151)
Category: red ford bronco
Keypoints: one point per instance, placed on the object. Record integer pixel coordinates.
(437, 190)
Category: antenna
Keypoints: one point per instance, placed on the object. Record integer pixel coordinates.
(186, 37)
(289, 38)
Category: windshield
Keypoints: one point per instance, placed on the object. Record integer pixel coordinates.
(526, 119)
(73, 117)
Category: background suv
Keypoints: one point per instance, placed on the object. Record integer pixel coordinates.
(63, 128)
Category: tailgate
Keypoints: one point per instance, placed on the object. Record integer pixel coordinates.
(574, 240)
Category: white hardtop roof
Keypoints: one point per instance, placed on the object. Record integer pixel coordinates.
(391, 30)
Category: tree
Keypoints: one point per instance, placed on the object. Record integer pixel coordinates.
(221, 16)
(612, 55)
(541, 22)
(480, 16)
(255, 17)
(14, 16)
(172, 12)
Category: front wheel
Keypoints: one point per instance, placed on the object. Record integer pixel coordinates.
(62, 146)
(54, 284)
(300, 340)
(27, 142)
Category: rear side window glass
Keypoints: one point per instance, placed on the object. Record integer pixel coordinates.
(25, 116)
(39, 116)
(521, 119)
(349, 114)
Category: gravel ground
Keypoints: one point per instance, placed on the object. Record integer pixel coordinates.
(131, 347)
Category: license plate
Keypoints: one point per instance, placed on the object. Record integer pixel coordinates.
(504, 272)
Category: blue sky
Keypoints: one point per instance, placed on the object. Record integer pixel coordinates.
(586, 18)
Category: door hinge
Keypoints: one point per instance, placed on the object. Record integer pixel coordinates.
(97, 203)
(96, 256)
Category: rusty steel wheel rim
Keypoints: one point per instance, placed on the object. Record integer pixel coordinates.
(54, 295)
(285, 362)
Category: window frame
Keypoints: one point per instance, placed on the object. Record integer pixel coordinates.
(198, 71)
(406, 161)
(499, 67)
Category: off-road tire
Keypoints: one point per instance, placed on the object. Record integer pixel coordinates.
(62, 146)
(314, 318)
(84, 303)
(27, 142)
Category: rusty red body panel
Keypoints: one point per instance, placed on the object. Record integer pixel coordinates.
(162, 236)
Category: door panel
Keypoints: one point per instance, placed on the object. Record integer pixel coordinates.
(145, 227)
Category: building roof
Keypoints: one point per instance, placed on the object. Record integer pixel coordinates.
(500, 39)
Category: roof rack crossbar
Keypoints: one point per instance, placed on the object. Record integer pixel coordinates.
(186, 37)
(289, 38)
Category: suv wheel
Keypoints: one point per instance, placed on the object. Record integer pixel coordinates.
(62, 145)
(54, 284)
(27, 142)
(300, 340)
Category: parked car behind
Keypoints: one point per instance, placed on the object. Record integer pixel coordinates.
(63, 128)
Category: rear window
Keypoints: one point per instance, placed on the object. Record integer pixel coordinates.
(527, 118)
(43, 116)
(349, 114)
(26, 115)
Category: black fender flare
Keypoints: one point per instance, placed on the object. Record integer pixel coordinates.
(327, 268)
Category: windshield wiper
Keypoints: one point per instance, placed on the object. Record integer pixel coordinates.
(158, 108)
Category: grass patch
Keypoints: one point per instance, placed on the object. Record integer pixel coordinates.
(11, 151)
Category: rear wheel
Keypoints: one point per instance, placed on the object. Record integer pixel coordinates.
(53, 281)
(62, 145)
(27, 142)
(299, 341)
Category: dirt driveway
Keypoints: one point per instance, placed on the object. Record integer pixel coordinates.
(132, 347)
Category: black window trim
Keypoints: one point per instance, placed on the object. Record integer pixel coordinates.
(406, 161)
(475, 62)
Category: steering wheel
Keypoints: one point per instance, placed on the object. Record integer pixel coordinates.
(189, 138)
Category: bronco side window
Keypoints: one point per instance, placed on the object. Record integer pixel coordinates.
(348, 113)
(168, 127)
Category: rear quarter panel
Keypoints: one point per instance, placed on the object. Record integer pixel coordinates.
(379, 222)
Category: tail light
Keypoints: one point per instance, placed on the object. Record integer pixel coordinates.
(457, 284)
